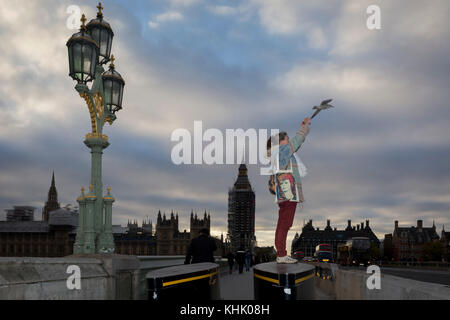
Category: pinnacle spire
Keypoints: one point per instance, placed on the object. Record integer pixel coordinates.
(52, 200)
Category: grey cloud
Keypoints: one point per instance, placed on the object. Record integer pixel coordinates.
(373, 157)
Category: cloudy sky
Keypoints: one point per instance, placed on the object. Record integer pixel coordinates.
(382, 154)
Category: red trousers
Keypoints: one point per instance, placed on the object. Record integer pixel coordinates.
(285, 219)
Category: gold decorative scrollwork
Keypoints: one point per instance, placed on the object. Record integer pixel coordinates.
(98, 101)
(86, 98)
(109, 120)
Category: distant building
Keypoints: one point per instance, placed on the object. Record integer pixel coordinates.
(388, 250)
(53, 238)
(310, 237)
(135, 240)
(20, 213)
(445, 239)
(21, 236)
(241, 213)
(52, 200)
(167, 239)
(407, 242)
(170, 241)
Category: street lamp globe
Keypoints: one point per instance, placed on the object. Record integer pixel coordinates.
(113, 84)
(83, 55)
(101, 32)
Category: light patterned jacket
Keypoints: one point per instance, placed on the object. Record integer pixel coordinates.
(287, 153)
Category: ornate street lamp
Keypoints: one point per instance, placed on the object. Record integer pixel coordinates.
(113, 84)
(88, 50)
(83, 55)
(101, 32)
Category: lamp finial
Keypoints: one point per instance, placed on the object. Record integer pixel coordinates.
(100, 8)
(83, 21)
(111, 65)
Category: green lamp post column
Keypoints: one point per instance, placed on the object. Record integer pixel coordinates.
(79, 242)
(106, 240)
(89, 233)
(88, 50)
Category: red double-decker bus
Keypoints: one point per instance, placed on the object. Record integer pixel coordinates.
(324, 253)
(323, 247)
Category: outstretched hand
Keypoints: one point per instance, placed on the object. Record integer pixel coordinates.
(306, 121)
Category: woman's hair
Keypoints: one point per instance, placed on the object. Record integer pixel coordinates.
(281, 136)
(285, 176)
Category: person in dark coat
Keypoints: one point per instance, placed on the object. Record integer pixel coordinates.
(240, 258)
(248, 260)
(201, 248)
(230, 257)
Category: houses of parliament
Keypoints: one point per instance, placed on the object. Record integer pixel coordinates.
(167, 239)
(54, 236)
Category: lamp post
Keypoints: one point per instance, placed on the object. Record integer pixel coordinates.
(89, 50)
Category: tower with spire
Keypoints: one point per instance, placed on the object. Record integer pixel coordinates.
(241, 212)
(166, 233)
(52, 200)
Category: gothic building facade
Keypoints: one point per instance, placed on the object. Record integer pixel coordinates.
(311, 237)
(135, 240)
(167, 239)
(241, 213)
(54, 236)
(407, 242)
(170, 241)
(22, 236)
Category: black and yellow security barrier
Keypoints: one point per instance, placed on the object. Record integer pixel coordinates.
(274, 281)
(324, 272)
(198, 281)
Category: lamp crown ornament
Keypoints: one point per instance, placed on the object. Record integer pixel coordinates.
(83, 22)
(111, 64)
(101, 32)
(100, 8)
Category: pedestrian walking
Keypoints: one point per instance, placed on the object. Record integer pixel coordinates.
(240, 258)
(248, 260)
(201, 249)
(230, 257)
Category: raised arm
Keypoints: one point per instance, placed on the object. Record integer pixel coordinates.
(300, 137)
(287, 150)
